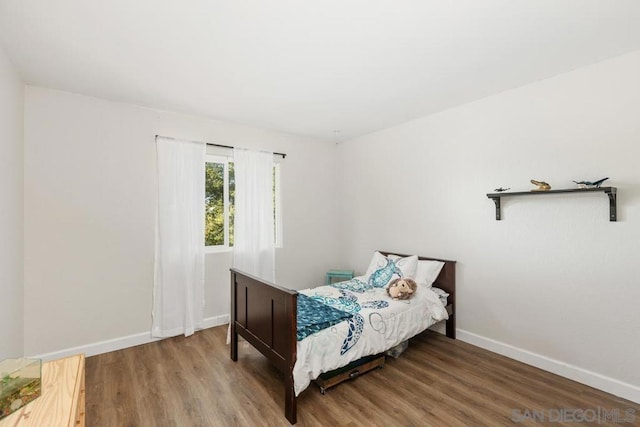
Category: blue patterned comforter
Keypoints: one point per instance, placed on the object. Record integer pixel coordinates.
(314, 316)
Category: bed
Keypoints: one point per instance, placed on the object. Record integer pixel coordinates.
(265, 315)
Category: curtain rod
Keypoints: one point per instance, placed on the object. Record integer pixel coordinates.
(214, 145)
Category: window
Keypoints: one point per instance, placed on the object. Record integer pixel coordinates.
(219, 203)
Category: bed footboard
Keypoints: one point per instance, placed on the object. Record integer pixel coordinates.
(265, 315)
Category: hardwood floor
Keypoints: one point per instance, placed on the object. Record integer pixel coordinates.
(435, 382)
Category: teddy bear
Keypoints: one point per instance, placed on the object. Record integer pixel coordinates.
(401, 288)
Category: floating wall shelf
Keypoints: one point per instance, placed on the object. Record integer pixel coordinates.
(609, 191)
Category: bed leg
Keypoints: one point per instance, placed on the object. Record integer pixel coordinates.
(290, 402)
(451, 327)
(234, 342)
(233, 330)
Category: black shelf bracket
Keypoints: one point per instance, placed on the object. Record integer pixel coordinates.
(496, 200)
(611, 192)
(613, 204)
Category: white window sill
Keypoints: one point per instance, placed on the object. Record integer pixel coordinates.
(222, 250)
(217, 249)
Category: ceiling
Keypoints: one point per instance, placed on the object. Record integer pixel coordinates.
(325, 68)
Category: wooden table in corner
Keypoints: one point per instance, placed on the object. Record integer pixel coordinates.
(62, 400)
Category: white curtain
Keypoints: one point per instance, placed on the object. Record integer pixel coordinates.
(178, 292)
(253, 225)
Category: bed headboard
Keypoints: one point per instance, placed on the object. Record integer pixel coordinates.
(446, 281)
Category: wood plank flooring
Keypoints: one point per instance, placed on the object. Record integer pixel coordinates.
(435, 382)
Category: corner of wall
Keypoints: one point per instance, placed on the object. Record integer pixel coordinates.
(12, 207)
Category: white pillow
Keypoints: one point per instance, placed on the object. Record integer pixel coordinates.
(383, 270)
(427, 271)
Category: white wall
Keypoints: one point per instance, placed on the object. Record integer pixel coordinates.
(554, 277)
(90, 182)
(11, 201)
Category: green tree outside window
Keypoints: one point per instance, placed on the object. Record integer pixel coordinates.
(219, 188)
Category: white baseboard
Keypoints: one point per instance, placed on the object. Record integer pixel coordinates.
(122, 342)
(210, 322)
(601, 382)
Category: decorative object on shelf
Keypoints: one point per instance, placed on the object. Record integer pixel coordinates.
(501, 190)
(611, 192)
(542, 186)
(591, 184)
(20, 383)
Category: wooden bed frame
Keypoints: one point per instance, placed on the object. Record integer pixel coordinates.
(264, 314)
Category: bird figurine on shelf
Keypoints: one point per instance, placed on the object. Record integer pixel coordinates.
(501, 190)
(591, 184)
(542, 186)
